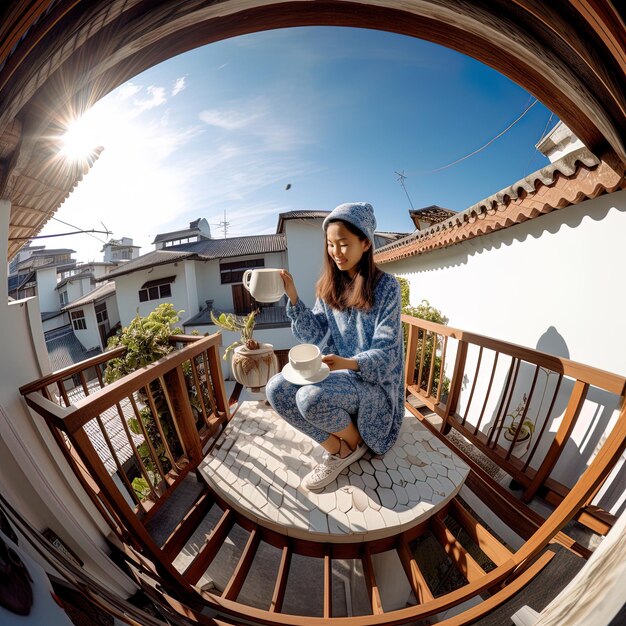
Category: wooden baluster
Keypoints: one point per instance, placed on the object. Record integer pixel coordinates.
(455, 385)
(505, 401)
(370, 581)
(83, 382)
(211, 547)
(488, 392)
(209, 383)
(462, 559)
(574, 406)
(422, 358)
(116, 460)
(173, 410)
(282, 576)
(328, 581)
(217, 378)
(441, 369)
(63, 392)
(413, 573)
(546, 421)
(175, 389)
(138, 459)
(157, 422)
(153, 454)
(243, 566)
(471, 396)
(521, 419)
(199, 392)
(411, 354)
(431, 373)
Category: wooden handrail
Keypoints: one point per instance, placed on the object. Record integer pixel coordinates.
(104, 398)
(70, 370)
(614, 383)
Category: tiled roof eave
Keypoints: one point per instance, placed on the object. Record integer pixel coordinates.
(564, 189)
(140, 268)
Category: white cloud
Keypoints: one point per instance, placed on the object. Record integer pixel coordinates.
(179, 85)
(156, 98)
(127, 90)
(227, 120)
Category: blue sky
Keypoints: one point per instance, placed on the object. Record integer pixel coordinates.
(334, 112)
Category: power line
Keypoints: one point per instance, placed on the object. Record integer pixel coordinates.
(467, 156)
(80, 232)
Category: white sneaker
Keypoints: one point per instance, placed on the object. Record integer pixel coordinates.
(330, 468)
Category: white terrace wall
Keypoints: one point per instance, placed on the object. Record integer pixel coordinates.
(34, 475)
(554, 283)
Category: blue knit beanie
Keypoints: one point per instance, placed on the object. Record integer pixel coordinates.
(359, 214)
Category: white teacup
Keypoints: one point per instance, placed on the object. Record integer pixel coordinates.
(306, 359)
(264, 285)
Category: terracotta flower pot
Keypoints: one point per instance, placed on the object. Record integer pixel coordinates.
(253, 368)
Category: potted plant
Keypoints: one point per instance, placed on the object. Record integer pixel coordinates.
(525, 431)
(252, 363)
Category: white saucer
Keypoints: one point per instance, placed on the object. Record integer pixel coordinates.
(293, 376)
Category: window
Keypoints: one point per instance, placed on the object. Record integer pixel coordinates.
(101, 313)
(156, 289)
(78, 320)
(63, 298)
(233, 272)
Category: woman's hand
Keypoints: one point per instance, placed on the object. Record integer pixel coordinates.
(335, 362)
(290, 287)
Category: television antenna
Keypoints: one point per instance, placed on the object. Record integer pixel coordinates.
(223, 225)
(401, 178)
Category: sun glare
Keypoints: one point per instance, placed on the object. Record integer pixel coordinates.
(83, 136)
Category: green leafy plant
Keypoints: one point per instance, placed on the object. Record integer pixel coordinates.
(244, 325)
(146, 340)
(427, 312)
(405, 292)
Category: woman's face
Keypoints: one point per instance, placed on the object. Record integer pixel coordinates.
(345, 248)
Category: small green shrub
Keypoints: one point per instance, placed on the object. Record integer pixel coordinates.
(429, 313)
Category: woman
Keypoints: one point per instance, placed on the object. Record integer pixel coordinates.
(357, 315)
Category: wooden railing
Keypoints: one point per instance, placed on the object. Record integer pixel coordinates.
(133, 441)
(474, 397)
(517, 405)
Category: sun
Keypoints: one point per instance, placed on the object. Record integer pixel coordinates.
(84, 135)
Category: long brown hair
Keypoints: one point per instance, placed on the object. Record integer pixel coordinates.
(340, 291)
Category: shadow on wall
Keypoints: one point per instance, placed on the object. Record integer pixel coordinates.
(541, 409)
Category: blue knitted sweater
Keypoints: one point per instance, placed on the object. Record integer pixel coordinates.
(374, 339)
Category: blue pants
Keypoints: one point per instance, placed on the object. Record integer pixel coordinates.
(316, 410)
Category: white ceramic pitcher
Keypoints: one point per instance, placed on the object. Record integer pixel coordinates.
(264, 285)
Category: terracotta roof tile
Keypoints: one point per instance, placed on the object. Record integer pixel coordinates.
(576, 177)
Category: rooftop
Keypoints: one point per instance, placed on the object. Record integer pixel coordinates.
(205, 250)
(575, 177)
(102, 291)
